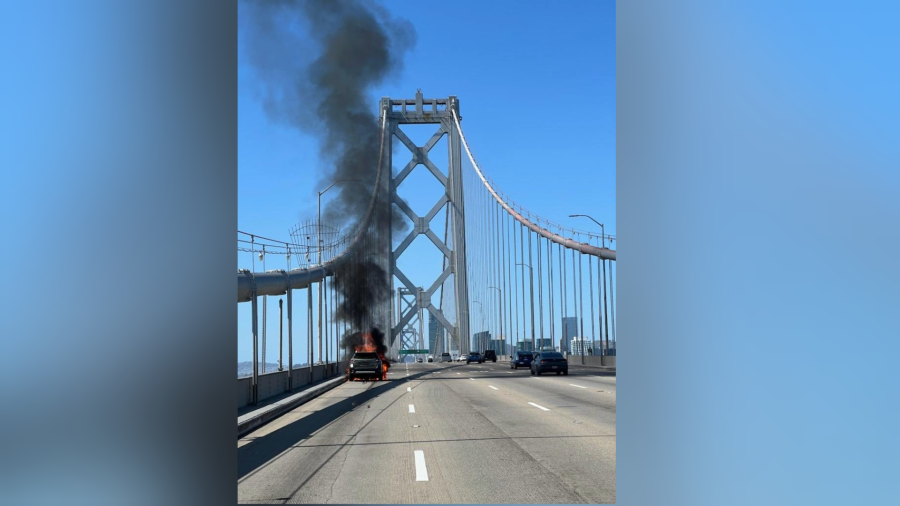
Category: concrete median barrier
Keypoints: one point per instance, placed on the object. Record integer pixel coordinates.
(593, 361)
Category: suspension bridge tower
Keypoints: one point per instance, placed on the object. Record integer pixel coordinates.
(437, 112)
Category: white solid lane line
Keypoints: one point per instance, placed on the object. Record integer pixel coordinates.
(412, 409)
(577, 386)
(421, 471)
(495, 388)
(538, 406)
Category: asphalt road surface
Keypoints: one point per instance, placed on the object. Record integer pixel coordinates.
(441, 433)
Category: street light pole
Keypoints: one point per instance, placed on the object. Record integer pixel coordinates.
(531, 286)
(319, 246)
(605, 292)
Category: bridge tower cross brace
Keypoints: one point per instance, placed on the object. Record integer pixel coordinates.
(409, 338)
(431, 111)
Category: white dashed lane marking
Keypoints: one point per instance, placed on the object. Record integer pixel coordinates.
(421, 470)
(576, 386)
(495, 388)
(538, 406)
(408, 389)
(412, 409)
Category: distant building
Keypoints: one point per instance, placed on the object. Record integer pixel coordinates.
(498, 345)
(570, 330)
(480, 340)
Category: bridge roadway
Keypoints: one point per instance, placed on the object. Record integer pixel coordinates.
(482, 433)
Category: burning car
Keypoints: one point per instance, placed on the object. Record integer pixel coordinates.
(366, 365)
(368, 361)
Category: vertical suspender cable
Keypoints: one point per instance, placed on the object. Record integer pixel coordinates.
(531, 291)
(500, 263)
(265, 298)
(506, 293)
(325, 318)
(309, 319)
(550, 294)
(580, 301)
(512, 229)
(564, 298)
(605, 312)
(600, 302)
(575, 300)
(591, 288)
(334, 305)
(612, 300)
(522, 261)
(531, 288)
(541, 291)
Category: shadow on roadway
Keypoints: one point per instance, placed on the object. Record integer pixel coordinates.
(263, 449)
(505, 438)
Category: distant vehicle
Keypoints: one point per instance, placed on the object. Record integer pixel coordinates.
(521, 358)
(365, 365)
(549, 361)
(431, 358)
(475, 357)
(419, 360)
(490, 355)
(462, 358)
(446, 357)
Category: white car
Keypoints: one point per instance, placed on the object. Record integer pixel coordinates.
(461, 358)
(431, 358)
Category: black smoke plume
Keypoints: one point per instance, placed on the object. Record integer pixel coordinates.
(361, 281)
(314, 64)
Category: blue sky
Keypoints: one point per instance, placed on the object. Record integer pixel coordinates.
(536, 85)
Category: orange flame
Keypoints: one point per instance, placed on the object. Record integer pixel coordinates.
(368, 346)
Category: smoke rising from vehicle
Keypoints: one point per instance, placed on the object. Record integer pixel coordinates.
(314, 64)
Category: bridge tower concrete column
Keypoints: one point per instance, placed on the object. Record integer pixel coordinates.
(438, 112)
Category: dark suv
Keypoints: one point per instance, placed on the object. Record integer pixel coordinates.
(475, 357)
(549, 361)
(366, 365)
(521, 358)
(490, 355)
